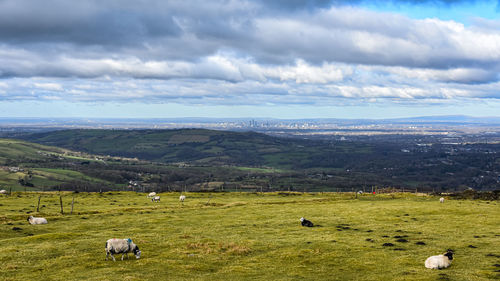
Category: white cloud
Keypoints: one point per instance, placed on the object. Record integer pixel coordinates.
(236, 52)
(48, 86)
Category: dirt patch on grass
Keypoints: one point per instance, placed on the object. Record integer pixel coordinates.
(226, 248)
(235, 204)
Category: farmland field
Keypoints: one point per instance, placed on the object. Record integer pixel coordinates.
(248, 236)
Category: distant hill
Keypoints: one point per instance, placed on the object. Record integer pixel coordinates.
(333, 163)
(14, 149)
(31, 166)
(186, 145)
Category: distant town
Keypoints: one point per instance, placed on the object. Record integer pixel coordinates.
(451, 129)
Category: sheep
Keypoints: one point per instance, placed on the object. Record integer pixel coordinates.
(441, 200)
(34, 220)
(440, 261)
(305, 222)
(3, 191)
(152, 194)
(121, 246)
(155, 199)
(182, 198)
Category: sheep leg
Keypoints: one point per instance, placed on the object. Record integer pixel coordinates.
(112, 256)
(122, 256)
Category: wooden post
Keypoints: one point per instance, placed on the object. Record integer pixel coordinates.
(72, 203)
(38, 206)
(10, 191)
(60, 201)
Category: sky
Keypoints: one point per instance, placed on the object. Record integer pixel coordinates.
(260, 58)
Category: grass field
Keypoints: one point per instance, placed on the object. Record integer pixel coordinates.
(249, 236)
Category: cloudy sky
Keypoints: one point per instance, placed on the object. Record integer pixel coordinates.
(282, 58)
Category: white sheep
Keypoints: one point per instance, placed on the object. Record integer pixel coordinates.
(152, 194)
(121, 246)
(3, 191)
(155, 199)
(440, 261)
(441, 200)
(34, 220)
(182, 198)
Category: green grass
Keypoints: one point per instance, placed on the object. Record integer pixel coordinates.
(248, 236)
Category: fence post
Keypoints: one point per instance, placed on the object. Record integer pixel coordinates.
(72, 203)
(38, 206)
(60, 201)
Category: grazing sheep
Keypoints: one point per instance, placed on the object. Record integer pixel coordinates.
(441, 200)
(34, 220)
(152, 194)
(3, 191)
(360, 192)
(182, 198)
(121, 246)
(155, 199)
(305, 222)
(440, 261)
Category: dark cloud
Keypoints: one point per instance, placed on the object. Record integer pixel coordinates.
(81, 22)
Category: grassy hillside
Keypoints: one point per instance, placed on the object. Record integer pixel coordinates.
(248, 236)
(25, 166)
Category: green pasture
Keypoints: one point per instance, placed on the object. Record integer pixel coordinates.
(248, 236)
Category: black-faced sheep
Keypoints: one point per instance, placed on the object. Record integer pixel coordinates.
(121, 246)
(34, 220)
(306, 223)
(182, 198)
(155, 199)
(440, 261)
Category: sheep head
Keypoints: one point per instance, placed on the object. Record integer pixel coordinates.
(449, 253)
(137, 252)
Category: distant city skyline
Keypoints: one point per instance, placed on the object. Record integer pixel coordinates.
(243, 59)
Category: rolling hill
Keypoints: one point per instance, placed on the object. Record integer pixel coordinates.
(201, 147)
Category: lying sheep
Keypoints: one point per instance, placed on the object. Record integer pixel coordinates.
(121, 246)
(441, 200)
(182, 198)
(3, 191)
(155, 199)
(440, 261)
(34, 220)
(152, 194)
(305, 222)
